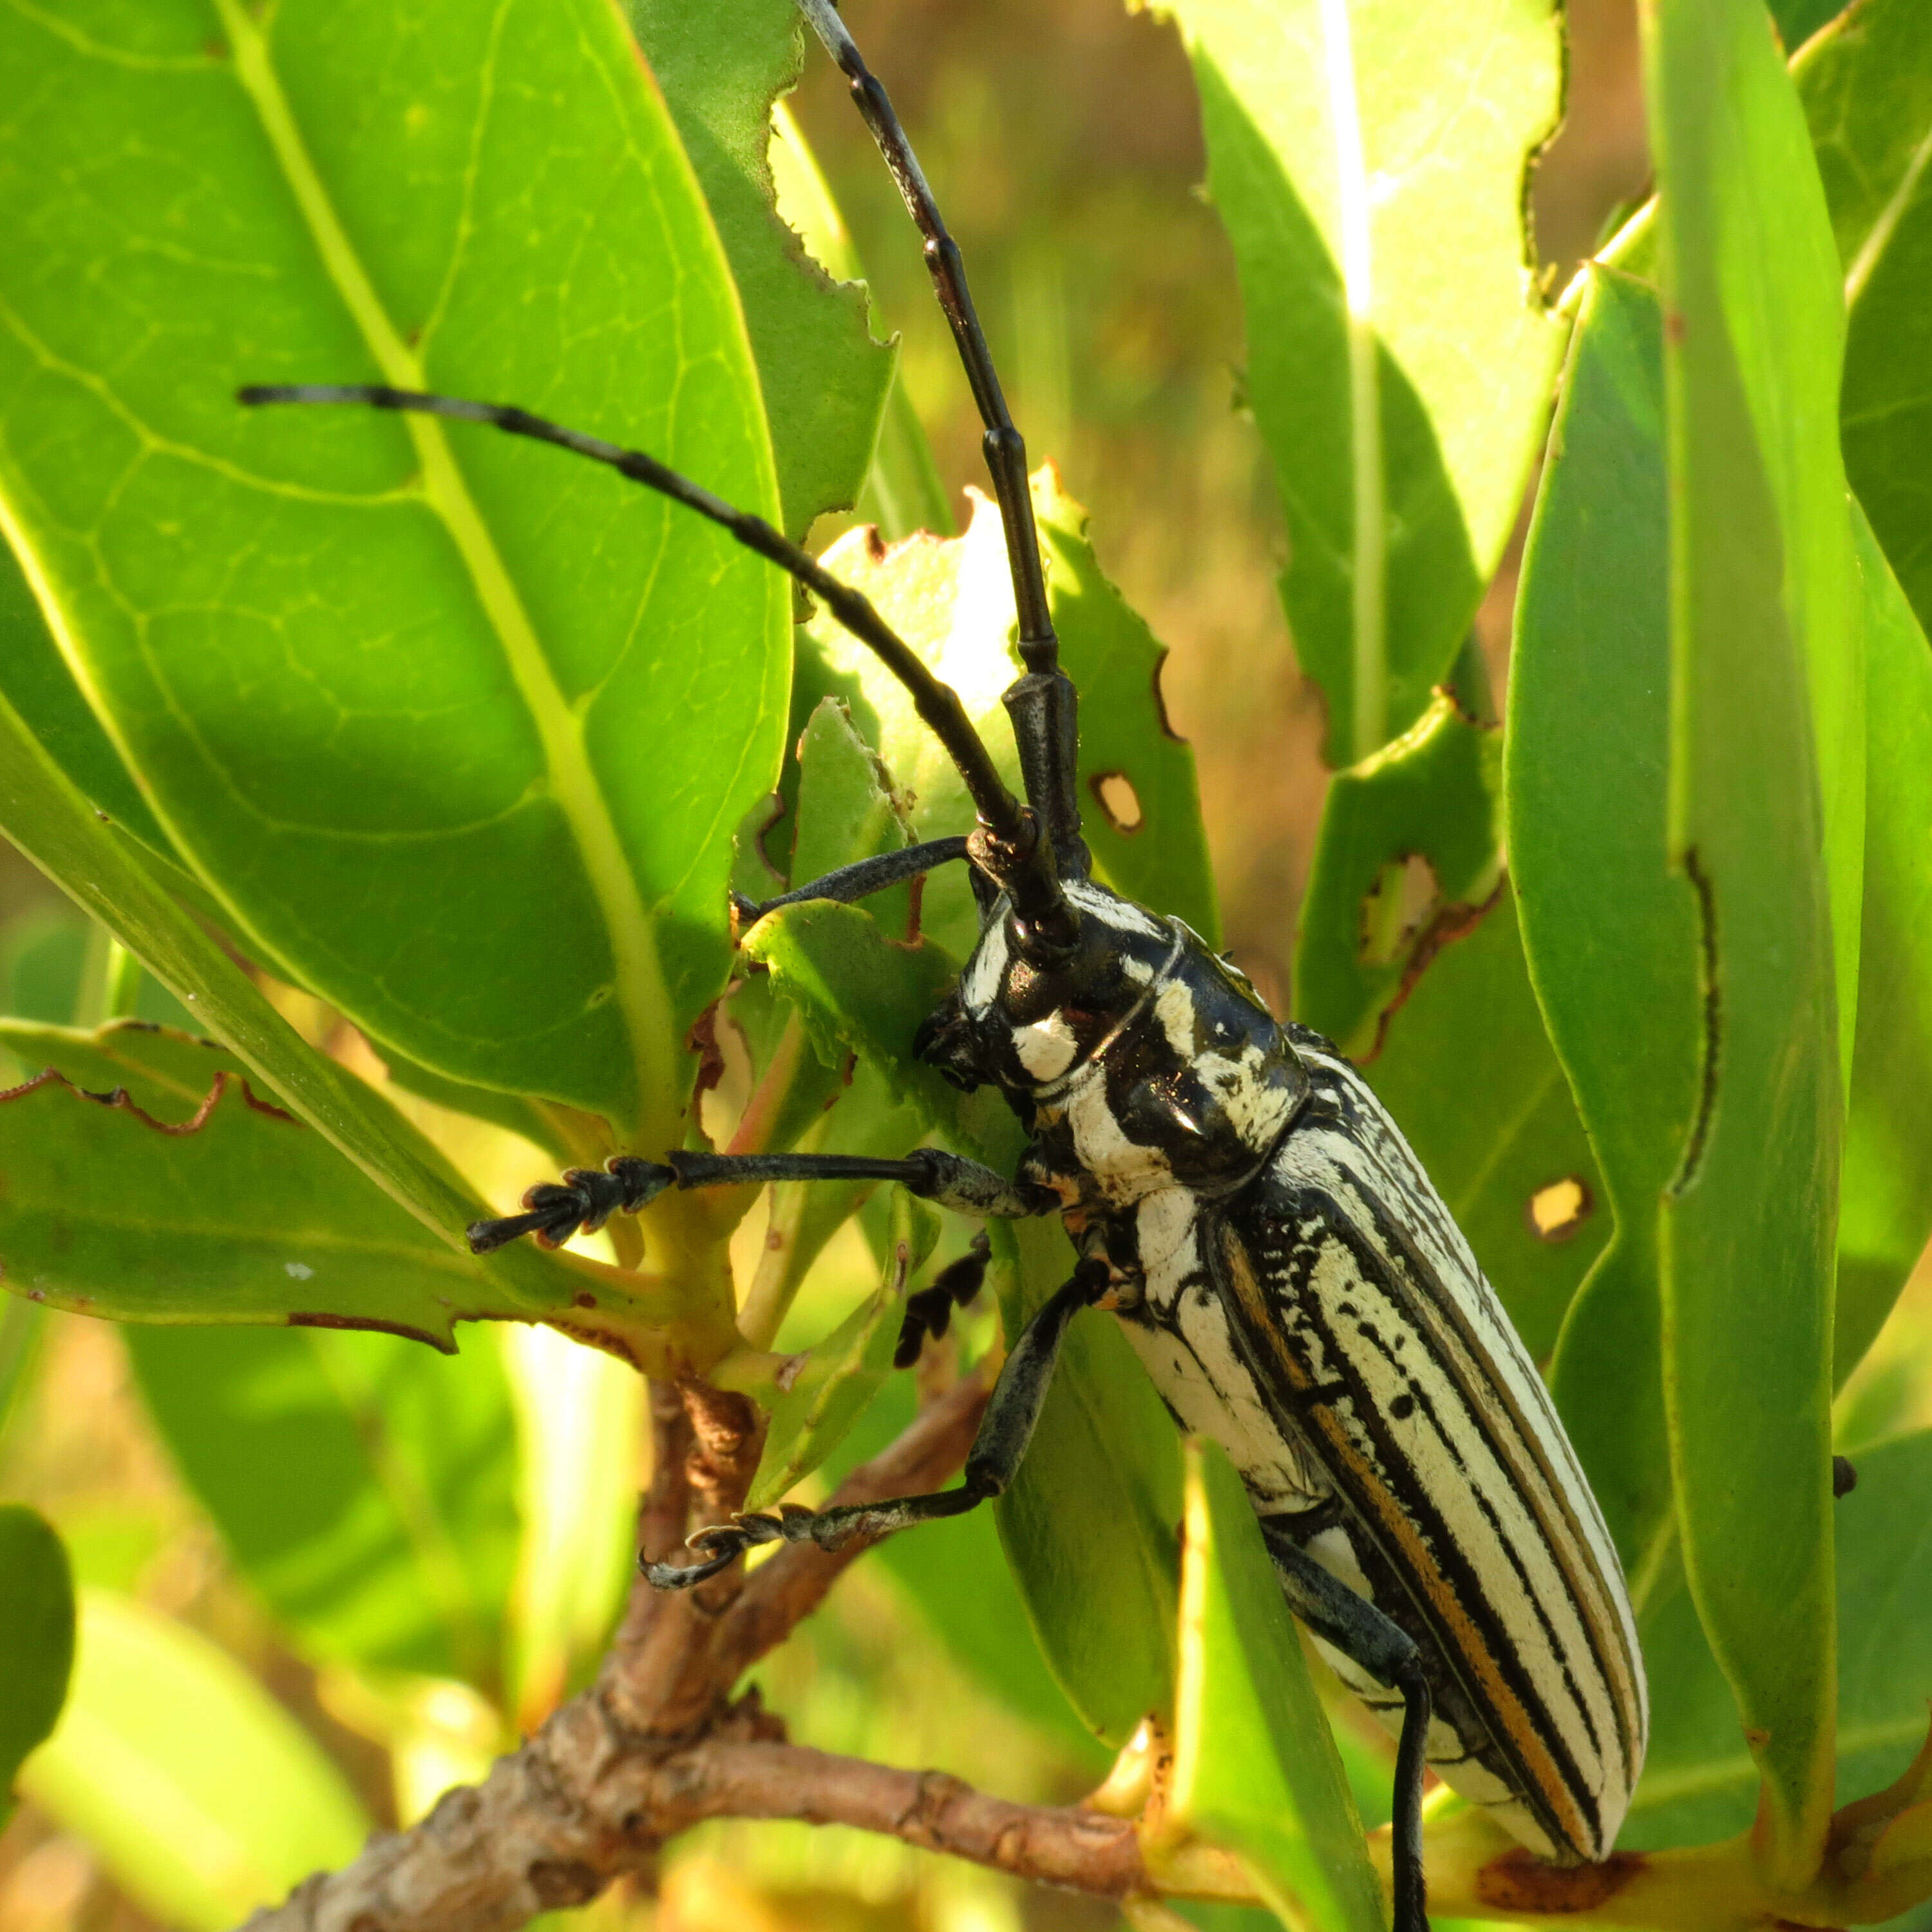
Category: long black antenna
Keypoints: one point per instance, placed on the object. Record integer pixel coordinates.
(1007, 846)
(1043, 703)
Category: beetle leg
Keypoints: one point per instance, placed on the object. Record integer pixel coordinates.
(1359, 1630)
(864, 876)
(930, 1311)
(587, 1197)
(997, 1451)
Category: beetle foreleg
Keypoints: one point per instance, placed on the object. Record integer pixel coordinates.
(997, 1451)
(587, 1197)
(863, 877)
(1359, 1630)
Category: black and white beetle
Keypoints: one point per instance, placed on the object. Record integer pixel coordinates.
(1241, 1202)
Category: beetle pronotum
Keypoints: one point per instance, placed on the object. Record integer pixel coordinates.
(1241, 1202)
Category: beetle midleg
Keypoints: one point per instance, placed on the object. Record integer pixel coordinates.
(997, 1451)
(1355, 1627)
(930, 1311)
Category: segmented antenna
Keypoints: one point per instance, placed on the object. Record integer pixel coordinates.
(1043, 703)
(1008, 844)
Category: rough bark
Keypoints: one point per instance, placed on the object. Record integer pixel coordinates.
(657, 1744)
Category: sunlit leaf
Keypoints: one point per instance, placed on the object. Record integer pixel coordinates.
(1368, 163)
(367, 1489)
(36, 1637)
(198, 1791)
(43, 814)
(839, 1377)
(223, 1207)
(1611, 935)
(1767, 819)
(1254, 1768)
(389, 687)
(824, 377)
(953, 601)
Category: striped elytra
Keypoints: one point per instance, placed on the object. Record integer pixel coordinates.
(1300, 1294)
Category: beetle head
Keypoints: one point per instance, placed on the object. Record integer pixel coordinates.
(1021, 1022)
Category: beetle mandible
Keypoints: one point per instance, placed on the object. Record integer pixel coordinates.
(1241, 1202)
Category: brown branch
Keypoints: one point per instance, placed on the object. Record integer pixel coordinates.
(1062, 1845)
(656, 1744)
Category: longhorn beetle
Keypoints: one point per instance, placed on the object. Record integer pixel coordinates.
(1241, 1202)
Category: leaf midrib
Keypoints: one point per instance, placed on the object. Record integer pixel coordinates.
(1878, 237)
(1368, 614)
(640, 992)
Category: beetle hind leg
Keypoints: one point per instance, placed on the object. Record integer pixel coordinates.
(998, 1449)
(1358, 1630)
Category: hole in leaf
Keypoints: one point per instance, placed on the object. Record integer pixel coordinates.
(1396, 907)
(1556, 1211)
(1114, 793)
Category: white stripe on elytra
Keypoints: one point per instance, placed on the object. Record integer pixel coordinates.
(1448, 1458)
(1209, 1390)
(1448, 1254)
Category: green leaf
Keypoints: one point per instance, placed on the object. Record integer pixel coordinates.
(858, 991)
(1370, 919)
(37, 682)
(1767, 812)
(36, 1637)
(366, 1489)
(531, 1119)
(824, 378)
(1468, 1071)
(1089, 1523)
(386, 684)
(196, 1790)
(43, 814)
(1368, 163)
(952, 601)
(581, 1428)
(954, 1571)
(838, 1379)
(1798, 20)
(1611, 936)
(904, 490)
(1699, 1783)
(1255, 1766)
(845, 812)
(223, 1209)
(1884, 1208)
(1867, 89)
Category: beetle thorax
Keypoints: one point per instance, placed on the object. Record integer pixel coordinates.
(1144, 1061)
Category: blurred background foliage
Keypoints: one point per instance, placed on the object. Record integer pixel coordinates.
(366, 1634)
